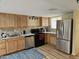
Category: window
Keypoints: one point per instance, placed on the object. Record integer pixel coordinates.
(54, 22)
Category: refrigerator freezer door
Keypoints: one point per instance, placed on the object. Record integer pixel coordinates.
(66, 29)
(59, 29)
(63, 46)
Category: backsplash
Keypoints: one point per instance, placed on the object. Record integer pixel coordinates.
(19, 31)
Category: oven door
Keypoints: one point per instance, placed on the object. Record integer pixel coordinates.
(39, 40)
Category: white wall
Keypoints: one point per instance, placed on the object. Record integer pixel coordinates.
(76, 33)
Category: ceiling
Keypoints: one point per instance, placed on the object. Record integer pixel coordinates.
(38, 7)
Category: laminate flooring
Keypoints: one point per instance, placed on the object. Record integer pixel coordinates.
(42, 52)
(51, 52)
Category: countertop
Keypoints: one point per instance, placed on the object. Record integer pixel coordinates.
(50, 32)
(29, 34)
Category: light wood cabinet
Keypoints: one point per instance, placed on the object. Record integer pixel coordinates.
(7, 21)
(18, 21)
(47, 38)
(2, 52)
(53, 39)
(12, 21)
(11, 45)
(50, 38)
(23, 21)
(20, 43)
(4, 20)
(2, 47)
(45, 21)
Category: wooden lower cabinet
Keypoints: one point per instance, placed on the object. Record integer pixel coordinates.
(53, 39)
(20, 43)
(2, 52)
(2, 47)
(11, 45)
(50, 38)
(47, 38)
(15, 44)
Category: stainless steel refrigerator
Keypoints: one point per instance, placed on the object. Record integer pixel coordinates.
(64, 35)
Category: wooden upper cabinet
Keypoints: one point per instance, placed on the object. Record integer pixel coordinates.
(1, 21)
(21, 21)
(16, 21)
(12, 21)
(18, 18)
(4, 20)
(7, 21)
(44, 21)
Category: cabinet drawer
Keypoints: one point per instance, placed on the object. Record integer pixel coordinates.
(2, 46)
(2, 41)
(2, 51)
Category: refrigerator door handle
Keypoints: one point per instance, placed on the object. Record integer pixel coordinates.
(63, 28)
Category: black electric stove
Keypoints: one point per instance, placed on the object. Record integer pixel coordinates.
(39, 37)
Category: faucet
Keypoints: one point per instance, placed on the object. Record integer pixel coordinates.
(44, 29)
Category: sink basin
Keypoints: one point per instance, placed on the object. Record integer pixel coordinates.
(13, 35)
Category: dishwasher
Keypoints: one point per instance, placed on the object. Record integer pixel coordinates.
(29, 42)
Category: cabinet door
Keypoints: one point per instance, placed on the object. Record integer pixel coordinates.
(53, 39)
(2, 52)
(2, 44)
(1, 21)
(11, 45)
(7, 21)
(48, 38)
(21, 43)
(23, 21)
(11, 21)
(2, 47)
(45, 21)
(4, 20)
(18, 21)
